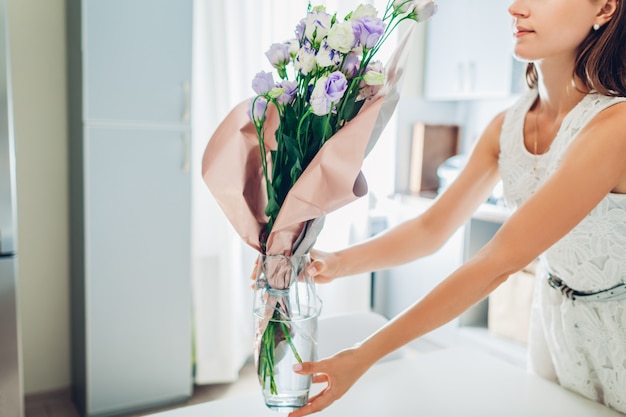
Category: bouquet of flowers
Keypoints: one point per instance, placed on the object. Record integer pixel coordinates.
(334, 74)
(283, 159)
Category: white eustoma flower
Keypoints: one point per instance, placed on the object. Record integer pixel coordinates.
(328, 57)
(341, 37)
(364, 10)
(317, 25)
(320, 105)
(425, 10)
(294, 47)
(305, 60)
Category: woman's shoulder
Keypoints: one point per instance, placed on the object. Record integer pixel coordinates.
(607, 127)
(611, 112)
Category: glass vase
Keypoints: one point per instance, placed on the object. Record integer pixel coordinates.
(286, 309)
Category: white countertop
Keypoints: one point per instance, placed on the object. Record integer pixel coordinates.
(400, 207)
(446, 383)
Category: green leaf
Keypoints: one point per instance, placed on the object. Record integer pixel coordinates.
(272, 208)
(289, 121)
(319, 130)
(291, 145)
(352, 110)
(295, 172)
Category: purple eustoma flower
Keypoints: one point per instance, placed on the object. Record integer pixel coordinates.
(291, 88)
(328, 91)
(257, 115)
(368, 31)
(278, 54)
(299, 30)
(351, 65)
(263, 82)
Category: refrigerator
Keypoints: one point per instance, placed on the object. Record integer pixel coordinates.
(11, 391)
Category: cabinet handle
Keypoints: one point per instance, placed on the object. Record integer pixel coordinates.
(460, 70)
(186, 157)
(186, 101)
(472, 75)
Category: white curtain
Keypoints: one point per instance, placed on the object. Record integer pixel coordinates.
(230, 39)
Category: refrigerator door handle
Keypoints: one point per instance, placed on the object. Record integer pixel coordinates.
(186, 115)
(186, 151)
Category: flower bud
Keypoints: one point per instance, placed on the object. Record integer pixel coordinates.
(263, 82)
(278, 55)
(256, 110)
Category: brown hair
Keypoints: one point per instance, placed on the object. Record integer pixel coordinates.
(601, 60)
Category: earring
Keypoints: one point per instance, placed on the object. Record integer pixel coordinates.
(596, 26)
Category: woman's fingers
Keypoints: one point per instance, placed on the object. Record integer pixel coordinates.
(316, 267)
(315, 404)
(319, 378)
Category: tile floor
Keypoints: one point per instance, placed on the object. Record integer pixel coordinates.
(59, 403)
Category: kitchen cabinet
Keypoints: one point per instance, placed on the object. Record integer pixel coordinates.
(469, 48)
(406, 284)
(129, 66)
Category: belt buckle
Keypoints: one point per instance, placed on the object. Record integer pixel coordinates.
(558, 284)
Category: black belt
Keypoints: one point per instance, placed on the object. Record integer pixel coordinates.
(614, 293)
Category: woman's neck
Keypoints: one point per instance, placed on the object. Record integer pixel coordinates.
(559, 89)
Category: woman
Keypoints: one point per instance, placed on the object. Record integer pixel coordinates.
(561, 154)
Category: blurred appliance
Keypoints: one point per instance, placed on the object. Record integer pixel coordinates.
(11, 391)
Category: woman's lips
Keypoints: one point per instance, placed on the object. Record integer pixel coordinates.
(522, 31)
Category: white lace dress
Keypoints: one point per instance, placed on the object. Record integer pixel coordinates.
(580, 344)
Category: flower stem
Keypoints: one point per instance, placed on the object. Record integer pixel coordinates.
(267, 359)
(291, 345)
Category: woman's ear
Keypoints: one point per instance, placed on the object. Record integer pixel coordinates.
(609, 7)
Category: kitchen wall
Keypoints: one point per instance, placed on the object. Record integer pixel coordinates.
(37, 47)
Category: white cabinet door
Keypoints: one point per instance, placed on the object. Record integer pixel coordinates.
(137, 60)
(469, 50)
(137, 261)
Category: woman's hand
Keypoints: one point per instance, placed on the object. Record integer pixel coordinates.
(324, 266)
(339, 372)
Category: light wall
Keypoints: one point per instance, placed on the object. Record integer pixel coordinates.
(37, 48)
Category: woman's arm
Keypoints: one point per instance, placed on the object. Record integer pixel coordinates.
(426, 233)
(593, 166)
